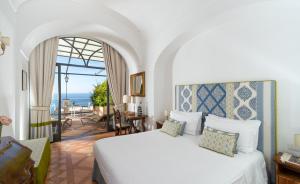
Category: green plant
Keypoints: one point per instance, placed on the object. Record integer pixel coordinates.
(99, 95)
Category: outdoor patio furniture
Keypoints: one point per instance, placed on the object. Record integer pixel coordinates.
(92, 117)
(66, 123)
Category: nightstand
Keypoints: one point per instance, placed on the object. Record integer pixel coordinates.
(286, 173)
(159, 124)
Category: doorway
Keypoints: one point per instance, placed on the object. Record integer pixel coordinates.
(80, 71)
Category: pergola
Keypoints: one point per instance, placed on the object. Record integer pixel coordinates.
(74, 54)
(83, 53)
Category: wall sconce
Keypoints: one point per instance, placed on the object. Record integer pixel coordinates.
(4, 41)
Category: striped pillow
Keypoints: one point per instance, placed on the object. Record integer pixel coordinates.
(219, 141)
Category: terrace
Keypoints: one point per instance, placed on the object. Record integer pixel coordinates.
(80, 66)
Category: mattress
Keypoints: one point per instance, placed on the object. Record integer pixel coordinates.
(154, 157)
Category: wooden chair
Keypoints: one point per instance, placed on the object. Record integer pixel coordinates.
(119, 124)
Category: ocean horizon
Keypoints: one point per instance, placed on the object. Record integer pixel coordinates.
(78, 99)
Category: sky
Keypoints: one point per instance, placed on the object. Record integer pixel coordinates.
(79, 83)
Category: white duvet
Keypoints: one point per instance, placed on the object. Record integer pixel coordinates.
(157, 158)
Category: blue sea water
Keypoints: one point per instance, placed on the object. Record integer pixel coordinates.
(78, 99)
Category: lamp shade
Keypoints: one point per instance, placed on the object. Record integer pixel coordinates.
(126, 99)
(166, 113)
(297, 140)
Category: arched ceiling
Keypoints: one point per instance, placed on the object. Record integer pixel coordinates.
(146, 29)
(142, 24)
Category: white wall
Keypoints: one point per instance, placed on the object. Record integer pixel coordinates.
(7, 77)
(261, 35)
(259, 44)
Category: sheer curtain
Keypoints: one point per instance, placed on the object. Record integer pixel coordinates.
(116, 74)
(42, 63)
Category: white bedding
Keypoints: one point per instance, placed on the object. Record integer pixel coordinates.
(157, 158)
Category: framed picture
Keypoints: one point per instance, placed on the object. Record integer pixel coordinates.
(24, 80)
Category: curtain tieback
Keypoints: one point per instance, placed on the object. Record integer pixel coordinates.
(40, 108)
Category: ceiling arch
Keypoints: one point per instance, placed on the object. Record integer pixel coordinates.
(163, 63)
(94, 32)
(53, 20)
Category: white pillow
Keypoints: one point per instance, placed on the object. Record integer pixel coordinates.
(192, 119)
(248, 131)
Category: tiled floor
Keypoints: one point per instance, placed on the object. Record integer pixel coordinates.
(72, 160)
(78, 129)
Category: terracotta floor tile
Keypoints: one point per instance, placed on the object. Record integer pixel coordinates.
(72, 160)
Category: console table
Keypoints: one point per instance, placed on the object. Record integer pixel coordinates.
(16, 165)
(131, 116)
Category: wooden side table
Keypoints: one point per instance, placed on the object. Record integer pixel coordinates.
(286, 173)
(131, 116)
(159, 124)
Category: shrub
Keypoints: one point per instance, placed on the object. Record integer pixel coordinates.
(99, 95)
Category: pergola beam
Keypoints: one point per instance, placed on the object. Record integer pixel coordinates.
(81, 66)
(66, 46)
(85, 74)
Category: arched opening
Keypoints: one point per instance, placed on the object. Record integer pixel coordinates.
(81, 103)
(81, 98)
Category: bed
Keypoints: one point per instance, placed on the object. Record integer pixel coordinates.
(154, 157)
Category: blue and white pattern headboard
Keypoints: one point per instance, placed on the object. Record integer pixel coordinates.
(236, 100)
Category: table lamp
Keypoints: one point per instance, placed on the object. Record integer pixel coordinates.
(126, 100)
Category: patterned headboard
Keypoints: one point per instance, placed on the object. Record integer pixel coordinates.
(236, 100)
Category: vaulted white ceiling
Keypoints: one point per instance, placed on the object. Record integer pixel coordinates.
(147, 30)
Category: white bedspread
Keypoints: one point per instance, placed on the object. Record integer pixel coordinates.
(157, 158)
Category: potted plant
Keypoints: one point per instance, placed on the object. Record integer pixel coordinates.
(99, 99)
(4, 120)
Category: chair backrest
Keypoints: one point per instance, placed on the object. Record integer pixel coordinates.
(117, 117)
(120, 107)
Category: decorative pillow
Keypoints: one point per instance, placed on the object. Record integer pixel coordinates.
(171, 128)
(219, 141)
(182, 126)
(248, 131)
(192, 119)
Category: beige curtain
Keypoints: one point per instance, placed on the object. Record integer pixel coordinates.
(116, 73)
(42, 63)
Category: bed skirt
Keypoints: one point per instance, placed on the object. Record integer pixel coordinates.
(97, 176)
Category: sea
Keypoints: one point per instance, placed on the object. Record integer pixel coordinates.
(78, 99)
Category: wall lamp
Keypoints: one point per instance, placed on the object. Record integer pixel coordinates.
(4, 41)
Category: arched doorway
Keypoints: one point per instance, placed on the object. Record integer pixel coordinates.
(79, 66)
